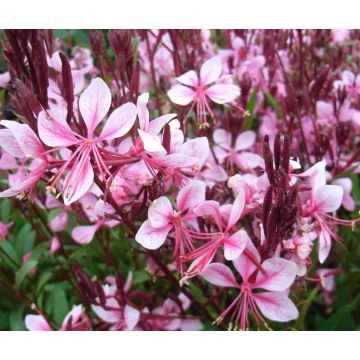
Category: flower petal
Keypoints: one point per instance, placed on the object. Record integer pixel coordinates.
(150, 237)
(79, 179)
(280, 275)
(160, 212)
(94, 104)
(210, 208)
(26, 138)
(210, 71)
(131, 317)
(190, 78)
(328, 198)
(156, 125)
(181, 95)
(151, 143)
(235, 245)
(119, 122)
(9, 143)
(198, 148)
(243, 264)
(84, 234)
(60, 222)
(220, 275)
(222, 93)
(191, 195)
(245, 140)
(55, 131)
(142, 111)
(276, 306)
(36, 323)
(236, 209)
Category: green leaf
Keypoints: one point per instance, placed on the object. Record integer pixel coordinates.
(140, 276)
(60, 304)
(16, 320)
(39, 250)
(250, 108)
(300, 321)
(43, 280)
(25, 240)
(5, 210)
(23, 271)
(273, 103)
(10, 251)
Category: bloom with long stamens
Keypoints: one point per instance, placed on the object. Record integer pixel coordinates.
(162, 218)
(234, 244)
(197, 90)
(54, 131)
(273, 304)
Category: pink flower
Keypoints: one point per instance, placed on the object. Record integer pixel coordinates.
(76, 319)
(350, 83)
(54, 131)
(4, 230)
(222, 92)
(273, 304)
(162, 218)
(224, 150)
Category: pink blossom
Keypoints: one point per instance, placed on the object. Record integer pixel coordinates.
(273, 304)
(54, 131)
(76, 319)
(4, 230)
(220, 93)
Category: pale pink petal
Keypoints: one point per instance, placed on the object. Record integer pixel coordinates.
(150, 237)
(345, 183)
(7, 161)
(210, 71)
(191, 325)
(119, 122)
(76, 312)
(26, 138)
(60, 222)
(110, 316)
(210, 208)
(328, 198)
(236, 209)
(243, 264)
(348, 77)
(151, 143)
(160, 212)
(84, 234)
(5, 79)
(131, 317)
(247, 160)
(94, 104)
(276, 306)
(181, 95)
(28, 182)
(324, 110)
(191, 195)
(280, 275)
(9, 143)
(142, 111)
(222, 138)
(235, 245)
(348, 202)
(324, 245)
(190, 78)
(128, 282)
(55, 61)
(156, 125)
(222, 93)
(55, 131)
(245, 140)
(36, 323)
(174, 161)
(79, 78)
(55, 245)
(79, 179)
(220, 275)
(198, 148)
